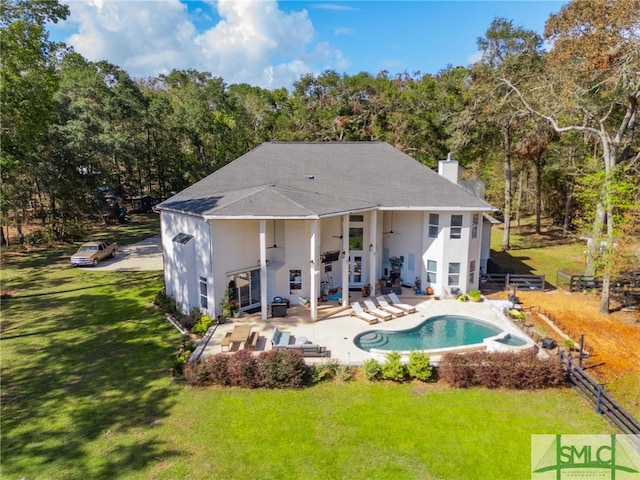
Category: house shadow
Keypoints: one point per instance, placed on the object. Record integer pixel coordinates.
(501, 262)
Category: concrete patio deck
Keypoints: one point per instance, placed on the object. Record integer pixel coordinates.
(337, 328)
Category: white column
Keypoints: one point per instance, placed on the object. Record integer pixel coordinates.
(263, 270)
(373, 247)
(313, 269)
(344, 255)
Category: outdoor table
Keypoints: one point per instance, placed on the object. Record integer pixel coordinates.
(240, 334)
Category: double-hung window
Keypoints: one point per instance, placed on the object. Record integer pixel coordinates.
(453, 280)
(432, 268)
(472, 271)
(475, 220)
(434, 224)
(456, 226)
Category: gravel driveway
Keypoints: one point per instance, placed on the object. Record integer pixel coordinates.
(144, 255)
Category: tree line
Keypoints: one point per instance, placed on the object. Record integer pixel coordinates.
(551, 131)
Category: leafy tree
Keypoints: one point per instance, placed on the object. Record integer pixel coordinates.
(28, 82)
(492, 114)
(202, 114)
(591, 85)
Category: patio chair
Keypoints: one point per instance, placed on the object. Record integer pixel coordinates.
(395, 301)
(358, 311)
(387, 307)
(373, 309)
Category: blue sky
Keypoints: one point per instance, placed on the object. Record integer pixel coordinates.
(271, 44)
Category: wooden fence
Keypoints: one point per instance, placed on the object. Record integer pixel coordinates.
(594, 392)
(502, 281)
(577, 283)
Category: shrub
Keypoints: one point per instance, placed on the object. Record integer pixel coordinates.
(163, 301)
(202, 325)
(243, 370)
(318, 372)
(419, 366)
(371, 369)
(196, 373)
(195, 315)
(282, 368)
(218, 371)
(343, 373)
(181, 361)
(332, 367)
(520, 371)
(456, 370)
(185, 320)
(38, 237)
(474, 295)
(393, 369)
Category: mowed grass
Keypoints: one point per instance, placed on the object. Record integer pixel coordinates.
(86, 394)
(539, 254)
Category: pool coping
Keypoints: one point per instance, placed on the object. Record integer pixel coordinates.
(489, 344)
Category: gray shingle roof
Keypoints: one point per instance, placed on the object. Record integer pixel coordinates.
(320, 179)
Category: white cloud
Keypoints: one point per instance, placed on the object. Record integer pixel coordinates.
(474, 58)
(344, 31)
(253, 42)
(333, 6)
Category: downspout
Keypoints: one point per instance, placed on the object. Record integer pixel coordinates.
(345, 260)
(263, 270)
(313, 269)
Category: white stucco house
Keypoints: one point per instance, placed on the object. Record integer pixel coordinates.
(297, 219)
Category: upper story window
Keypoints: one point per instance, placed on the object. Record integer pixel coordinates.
(456, 226)
(434, 224)
(475, 220)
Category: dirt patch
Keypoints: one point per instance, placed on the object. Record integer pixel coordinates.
(613, 340)
(422, 388)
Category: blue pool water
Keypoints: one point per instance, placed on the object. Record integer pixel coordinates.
(436, 332)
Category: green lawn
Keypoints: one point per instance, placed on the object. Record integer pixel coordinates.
(86, 394)
(543, 254)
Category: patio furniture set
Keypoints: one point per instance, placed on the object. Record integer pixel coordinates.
(382, 311)
(280, 339)
(242, 334)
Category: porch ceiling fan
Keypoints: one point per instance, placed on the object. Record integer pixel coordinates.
(390, 232)
(275, 244)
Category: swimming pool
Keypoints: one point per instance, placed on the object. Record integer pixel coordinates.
(434, 333)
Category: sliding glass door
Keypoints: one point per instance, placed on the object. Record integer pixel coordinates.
(245, 287)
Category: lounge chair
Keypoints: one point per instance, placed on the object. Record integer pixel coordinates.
(358, 311)
(373, 309)
(387, 307)
(395, 301)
